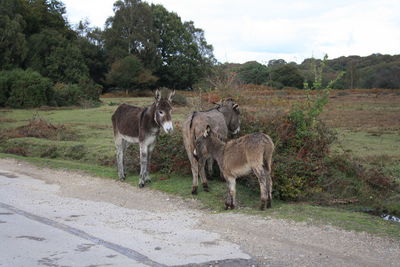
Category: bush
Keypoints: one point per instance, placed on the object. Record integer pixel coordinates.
(169, 155)
(180, 100)
(23, 89)
(67, 94)
(298, 155)
(91, 90)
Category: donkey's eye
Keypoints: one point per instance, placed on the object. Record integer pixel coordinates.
(161, 112)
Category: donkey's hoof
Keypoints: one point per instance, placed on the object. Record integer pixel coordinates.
(194, 190)
(232, 207)
(206, 188)
(122, 179)
(141, 185)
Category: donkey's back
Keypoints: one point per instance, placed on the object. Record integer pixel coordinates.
(247, 153)
(126, 119)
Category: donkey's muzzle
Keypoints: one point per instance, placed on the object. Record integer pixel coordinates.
(168, 127)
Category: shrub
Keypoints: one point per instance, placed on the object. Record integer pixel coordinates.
(169, 155)
(23, 89)
(180, 100)
(91, 90)
(298, 153)
(67, 94)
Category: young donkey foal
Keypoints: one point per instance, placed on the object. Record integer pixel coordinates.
(238, 157)
(141, 125)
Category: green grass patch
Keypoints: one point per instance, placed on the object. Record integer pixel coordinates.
(370, 143)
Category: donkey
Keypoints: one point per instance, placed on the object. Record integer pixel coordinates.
(141, 125)
(223, 119)
(238, 157)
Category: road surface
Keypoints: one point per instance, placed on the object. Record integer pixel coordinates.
(59, 218)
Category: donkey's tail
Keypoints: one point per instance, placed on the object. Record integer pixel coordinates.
(269, 148)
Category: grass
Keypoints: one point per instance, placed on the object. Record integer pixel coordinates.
(374, 143)
(371, 143)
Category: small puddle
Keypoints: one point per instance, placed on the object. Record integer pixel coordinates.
(392, 218)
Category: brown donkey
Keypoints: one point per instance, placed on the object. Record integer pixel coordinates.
(238, 157)
(224, 119)
(141, 125)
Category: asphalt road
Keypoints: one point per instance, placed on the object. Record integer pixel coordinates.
(38, 227)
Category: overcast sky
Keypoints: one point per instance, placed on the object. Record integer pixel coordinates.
(261, 30)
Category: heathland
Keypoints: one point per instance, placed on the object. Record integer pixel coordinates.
(355, 178)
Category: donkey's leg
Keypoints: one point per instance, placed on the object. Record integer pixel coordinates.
(125, 145)
(210, 163)
(147, 179)
(195, 172)
(194, 165)
(120, 156)
(202, 171)
(268, 180)
(143, 164)
(231, 199)
(261, 175)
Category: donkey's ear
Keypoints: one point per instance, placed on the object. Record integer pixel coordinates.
(171, 94)
(157, 95)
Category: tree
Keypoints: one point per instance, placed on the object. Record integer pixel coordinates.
(131, 31)
(253, 72)
(186, 56)
(288, 75)
(276, 63)
(90, 43)
(384, 75)
(177, 53)
(129, 73)
(13, 46)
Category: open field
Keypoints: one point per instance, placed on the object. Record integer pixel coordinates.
(367, 122)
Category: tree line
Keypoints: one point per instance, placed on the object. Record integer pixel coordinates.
(46, 61)
(373, 71)
(141, 46)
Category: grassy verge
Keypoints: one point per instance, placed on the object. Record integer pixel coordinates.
(248, 200)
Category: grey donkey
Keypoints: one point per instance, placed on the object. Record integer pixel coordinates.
(141, 125)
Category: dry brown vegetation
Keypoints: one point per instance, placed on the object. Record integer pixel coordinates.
(40, 128)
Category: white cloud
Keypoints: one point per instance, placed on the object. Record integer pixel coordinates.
(260, 30)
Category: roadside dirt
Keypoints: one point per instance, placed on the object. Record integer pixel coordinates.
(269, 241)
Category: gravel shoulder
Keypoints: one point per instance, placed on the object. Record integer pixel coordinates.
(268, 241)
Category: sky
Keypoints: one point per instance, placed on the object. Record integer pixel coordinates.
(262, 30)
